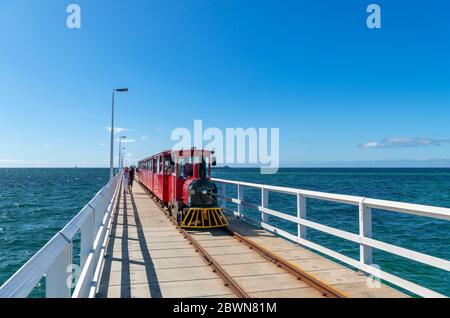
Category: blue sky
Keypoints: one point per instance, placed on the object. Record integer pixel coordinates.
(340, 93)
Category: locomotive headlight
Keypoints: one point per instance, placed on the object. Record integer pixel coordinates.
(204, 192)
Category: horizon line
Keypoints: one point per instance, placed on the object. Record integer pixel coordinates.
(240, 167)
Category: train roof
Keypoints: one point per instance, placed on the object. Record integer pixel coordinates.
(168, 152)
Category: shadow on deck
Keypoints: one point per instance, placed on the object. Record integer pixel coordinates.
(118, 261)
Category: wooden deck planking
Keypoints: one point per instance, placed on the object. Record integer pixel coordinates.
(147, 257)
(255, 274)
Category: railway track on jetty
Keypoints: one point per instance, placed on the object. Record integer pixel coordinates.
(266, 262)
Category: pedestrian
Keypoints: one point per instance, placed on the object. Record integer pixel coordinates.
(126, 179)
(131, 179)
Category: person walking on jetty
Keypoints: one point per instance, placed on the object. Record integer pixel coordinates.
(131, 179)
(126, 180)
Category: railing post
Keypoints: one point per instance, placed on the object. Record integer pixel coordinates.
(365, 230)
(102, 207)
(57, 277)
(264, 204)
(224, 195)
(87, 238)
(301, 214)
(240, 191)
(98, 215)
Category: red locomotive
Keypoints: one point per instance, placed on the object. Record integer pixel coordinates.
(181, 180)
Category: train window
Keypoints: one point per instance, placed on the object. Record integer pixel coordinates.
(204, 167)
(181, 162)
(185, 167)
(167, 166)
(188, 170)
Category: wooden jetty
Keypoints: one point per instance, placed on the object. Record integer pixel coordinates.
(147, 256)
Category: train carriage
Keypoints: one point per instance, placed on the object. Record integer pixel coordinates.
(181, 181)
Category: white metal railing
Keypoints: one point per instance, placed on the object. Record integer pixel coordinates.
(54, 260)
(364, 238)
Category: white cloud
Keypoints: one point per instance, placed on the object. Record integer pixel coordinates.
(12, 161)
(22, 162)
(117, 129)
(403, 142)
(144, 138)
(371, 144)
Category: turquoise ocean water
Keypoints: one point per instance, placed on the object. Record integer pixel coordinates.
(36, 203)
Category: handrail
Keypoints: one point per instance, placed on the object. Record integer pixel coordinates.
(364, 238)
(54, 260)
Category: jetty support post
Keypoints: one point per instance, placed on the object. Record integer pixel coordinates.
(87, 241)
(240, 193)
(265, 205)
(58, 280)
(365, 231)
(301, 215)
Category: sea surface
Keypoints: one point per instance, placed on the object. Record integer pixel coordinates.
(36, 203)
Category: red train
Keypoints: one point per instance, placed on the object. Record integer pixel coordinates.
(181, 180)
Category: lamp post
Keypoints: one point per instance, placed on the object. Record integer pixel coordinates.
(111, 161)
(120, 151)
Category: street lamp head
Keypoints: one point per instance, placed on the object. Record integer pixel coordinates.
(111, 166)
(123, 137)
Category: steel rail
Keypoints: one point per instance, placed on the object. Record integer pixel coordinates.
(228, 280)
(322, 287)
